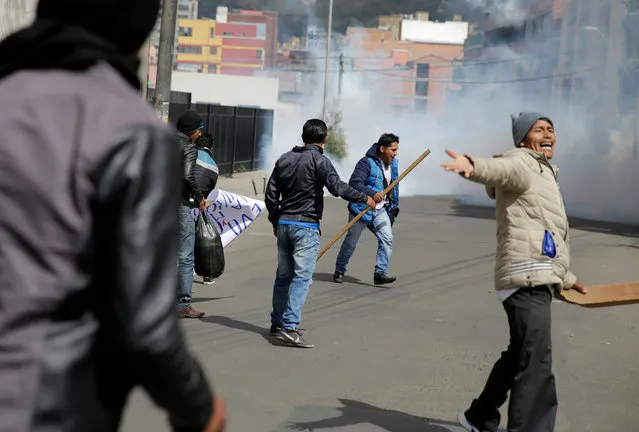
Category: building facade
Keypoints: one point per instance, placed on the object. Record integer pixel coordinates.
(411, 61)
(267, 23)
(519, 58)
(208, 46)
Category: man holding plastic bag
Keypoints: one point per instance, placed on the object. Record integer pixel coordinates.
(206, 175)
(189, 130)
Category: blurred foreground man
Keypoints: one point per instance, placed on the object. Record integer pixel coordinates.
(90, 191)
(295, 203)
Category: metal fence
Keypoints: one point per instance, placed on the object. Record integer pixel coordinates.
(240, 133)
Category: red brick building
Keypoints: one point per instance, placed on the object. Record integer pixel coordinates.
(241, 52)
(270, 21)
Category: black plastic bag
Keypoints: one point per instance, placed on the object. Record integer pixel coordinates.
(209, 252)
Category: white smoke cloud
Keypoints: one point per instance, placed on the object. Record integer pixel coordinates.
(596, 172)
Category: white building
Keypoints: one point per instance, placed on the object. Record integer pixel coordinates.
(228, 90)
(433, 32)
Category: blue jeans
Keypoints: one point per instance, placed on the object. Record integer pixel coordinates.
(380, 226)
(297, 249)
(185, 257)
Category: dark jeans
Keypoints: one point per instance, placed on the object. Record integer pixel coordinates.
(524, 369)
(186, 257)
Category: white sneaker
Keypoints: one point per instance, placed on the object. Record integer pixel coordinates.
(463, 422)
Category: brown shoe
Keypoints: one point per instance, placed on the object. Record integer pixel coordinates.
(190, 312)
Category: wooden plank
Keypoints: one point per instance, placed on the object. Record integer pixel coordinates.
(604, 295)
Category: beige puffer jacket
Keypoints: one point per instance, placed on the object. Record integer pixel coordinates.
(528, 202)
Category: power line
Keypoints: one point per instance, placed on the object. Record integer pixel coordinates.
(538, 78)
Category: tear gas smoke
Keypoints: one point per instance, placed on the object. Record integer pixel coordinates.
(597, 166)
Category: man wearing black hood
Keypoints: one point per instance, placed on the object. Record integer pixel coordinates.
(90, 185)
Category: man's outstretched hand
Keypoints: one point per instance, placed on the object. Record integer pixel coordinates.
(460, 165)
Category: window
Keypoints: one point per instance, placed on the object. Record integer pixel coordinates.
(213, 50)
(228, 33)
(604, 18)
(584, 13)
(578, 93)
(565, 89)
(421, 105)
(421, 88)
(189, 49)
(582, 52)
(212, 69)
(423, 70)
(185, 31)
(259, 54)
(573, 10)
(212, 32)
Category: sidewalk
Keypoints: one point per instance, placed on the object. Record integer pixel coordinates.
(242, 183)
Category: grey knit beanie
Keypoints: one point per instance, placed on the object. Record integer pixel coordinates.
(523, 123)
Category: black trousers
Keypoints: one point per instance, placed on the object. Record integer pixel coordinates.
(524, 369)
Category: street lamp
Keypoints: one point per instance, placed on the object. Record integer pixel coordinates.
(596, 30)
(328, 52)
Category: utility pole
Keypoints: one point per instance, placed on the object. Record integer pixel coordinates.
(341, 74)
(162, 94)
(328, 52)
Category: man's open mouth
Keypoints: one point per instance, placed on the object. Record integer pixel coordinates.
(546, 145)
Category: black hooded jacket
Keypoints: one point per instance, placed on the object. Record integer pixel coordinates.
(295, 189)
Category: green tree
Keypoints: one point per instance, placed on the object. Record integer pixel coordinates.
(336, 143)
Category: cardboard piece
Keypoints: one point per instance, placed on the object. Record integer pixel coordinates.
(604, 295)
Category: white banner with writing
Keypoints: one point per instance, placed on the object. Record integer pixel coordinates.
(231, 212)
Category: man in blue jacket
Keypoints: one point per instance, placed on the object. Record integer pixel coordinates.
(372, 174)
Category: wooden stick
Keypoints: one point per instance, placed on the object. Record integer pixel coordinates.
(604, 295)
(363, 212)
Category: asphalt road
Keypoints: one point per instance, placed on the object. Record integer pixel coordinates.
(406, 357)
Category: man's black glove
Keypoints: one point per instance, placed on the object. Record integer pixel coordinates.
(393, 215)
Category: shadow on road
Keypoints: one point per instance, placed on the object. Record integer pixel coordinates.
(328, 277)
(355, 412)
(625, 230)
(206, 299)
(244, 326)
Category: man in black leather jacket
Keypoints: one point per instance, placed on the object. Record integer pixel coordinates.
(189, 128)
(90, 191)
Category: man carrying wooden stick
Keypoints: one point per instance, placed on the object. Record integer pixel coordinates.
(295, 203)
(372, 174)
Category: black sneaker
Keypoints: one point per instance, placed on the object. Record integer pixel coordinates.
(208, 281)
(293, 338)
(275, 329)
(381, 279)
(338, 277)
